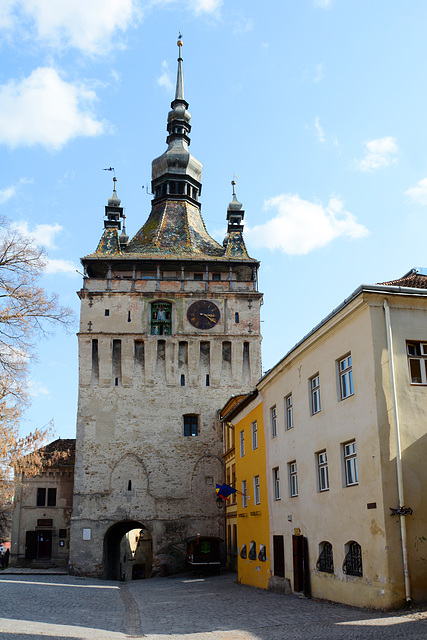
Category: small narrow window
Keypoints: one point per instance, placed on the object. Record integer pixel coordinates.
(129, 485)
(116, 382)
(289, 412)
(198, 276)
(293, 479)
(129, 318)
(315, 394)
(322, 471)
(276, 484)
(216, 277)
(207, 380)
(95, 361)
(257, 497)
(236, 318)
(244, 495)
(273, 421)
(62, 533)
(182, 380)
(254, 431)
(117, 362)
(107, 312)
(242, 444)
(51, 497)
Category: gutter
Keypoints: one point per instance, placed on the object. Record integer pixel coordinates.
(400, 487)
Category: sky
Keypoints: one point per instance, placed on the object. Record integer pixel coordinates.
(318, 107)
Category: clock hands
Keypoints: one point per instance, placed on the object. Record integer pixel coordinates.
(209, 316)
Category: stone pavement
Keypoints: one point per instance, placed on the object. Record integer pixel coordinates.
(180, 608)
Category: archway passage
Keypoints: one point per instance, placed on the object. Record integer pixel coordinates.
(128, 552)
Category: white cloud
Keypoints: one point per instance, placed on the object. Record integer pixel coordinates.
(419, 192)
(323, 4)
(7, 193)
(37, 389)
(205, 6)
(300, 226)
(320, 72)
(42, 234)
(165, 78)
(379, 152)
(319, 130)
(60, 266)
(44, 109)
(88, 25)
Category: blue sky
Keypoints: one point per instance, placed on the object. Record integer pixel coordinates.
(318, 107)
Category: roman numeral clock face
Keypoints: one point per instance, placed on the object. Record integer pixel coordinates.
(203, 314)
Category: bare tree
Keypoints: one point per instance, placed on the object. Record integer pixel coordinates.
(27, 313)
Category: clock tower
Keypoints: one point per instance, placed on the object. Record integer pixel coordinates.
(169, 330)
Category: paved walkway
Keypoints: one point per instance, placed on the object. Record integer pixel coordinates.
(216, 608)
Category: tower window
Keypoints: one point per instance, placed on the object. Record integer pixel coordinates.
(161, 315)
(191, 425)
(129, 318)
(207, 380)
(107, 312)
(236, 318)
(198, 276)
(182, 380)
(216, 277)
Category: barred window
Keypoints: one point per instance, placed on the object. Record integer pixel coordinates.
(325, 561)
(352, 565)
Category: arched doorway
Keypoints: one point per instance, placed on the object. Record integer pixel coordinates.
(128, 551)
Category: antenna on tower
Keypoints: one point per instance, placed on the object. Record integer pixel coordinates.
(111, 169)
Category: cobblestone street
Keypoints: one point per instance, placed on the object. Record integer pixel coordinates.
(215, 608)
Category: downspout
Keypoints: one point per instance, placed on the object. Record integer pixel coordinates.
(398, 453)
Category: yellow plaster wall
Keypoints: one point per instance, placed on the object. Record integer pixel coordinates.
(252, 521)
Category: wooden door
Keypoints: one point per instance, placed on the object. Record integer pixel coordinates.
(279, 556)
(44, 541)
(31, 545)
(298, 558)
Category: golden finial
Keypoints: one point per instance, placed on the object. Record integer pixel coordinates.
(179, 43)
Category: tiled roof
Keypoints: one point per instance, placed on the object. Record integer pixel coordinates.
(60, 451)
(413, 279)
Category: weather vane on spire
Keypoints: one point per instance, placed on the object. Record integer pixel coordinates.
(179, 43)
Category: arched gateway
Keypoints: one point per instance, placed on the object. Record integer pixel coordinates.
(128, 551)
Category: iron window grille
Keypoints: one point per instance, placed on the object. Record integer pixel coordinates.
(352, 565)
(252, 550)
(262, 556)
(243, 553)
(346, 377)
(325, 561)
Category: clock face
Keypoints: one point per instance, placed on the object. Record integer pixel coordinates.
(203, 314)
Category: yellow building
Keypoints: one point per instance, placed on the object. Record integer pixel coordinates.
(252, 501)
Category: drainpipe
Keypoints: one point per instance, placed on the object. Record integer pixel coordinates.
(398, 453)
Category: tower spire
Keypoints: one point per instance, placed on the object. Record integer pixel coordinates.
(179, 92)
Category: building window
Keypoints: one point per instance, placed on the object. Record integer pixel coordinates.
(254, 430)
(161, 319)
(242, 444)
(273, 422)
(244, 495)
(252, 551)
(322, 471)
(289, 412)
(417, 361)
(315, 394)
(62, 533)
(346, 377)
(51, 497)
(276, 483)
(198, 276)
(182, 380)
(257, 498)
(236, 318)
(216, 277)
(352, 565)
(325, 561)
(191, 425)
(293, 479)
(41, 497)
(350, 463)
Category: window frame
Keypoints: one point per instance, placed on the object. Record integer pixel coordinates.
(244, 494)
(350, 463)
(273, 421)
(242, 442)
(190, 419)
(257, 492)
(293, 479)
(345, 377)
(315, 401)
(254, 434)
(353, 561)
(420, 358)
(276, 483)
(322, 471)
(289, 412)
(325, 561)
